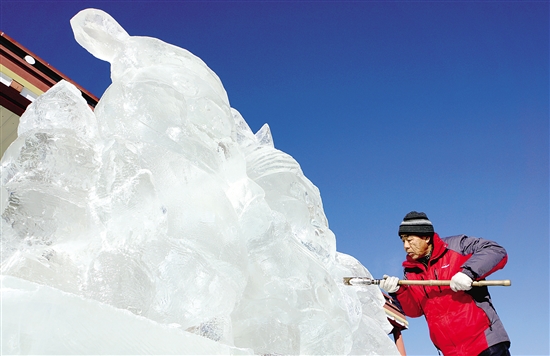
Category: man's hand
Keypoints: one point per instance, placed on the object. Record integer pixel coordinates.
(460, 281)
(389, 284)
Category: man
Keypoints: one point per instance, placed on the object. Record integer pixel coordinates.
(461, 319)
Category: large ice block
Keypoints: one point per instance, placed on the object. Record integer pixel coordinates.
(160, 223)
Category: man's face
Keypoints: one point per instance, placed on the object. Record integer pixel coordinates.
(416, 246)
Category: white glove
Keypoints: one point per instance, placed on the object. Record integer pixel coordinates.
(461, 281)
(389, 284)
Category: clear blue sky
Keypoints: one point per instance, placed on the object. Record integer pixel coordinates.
(435, 106)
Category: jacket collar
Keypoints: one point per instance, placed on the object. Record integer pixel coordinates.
(439, 247)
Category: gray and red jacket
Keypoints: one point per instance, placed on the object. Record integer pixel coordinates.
(463, 322)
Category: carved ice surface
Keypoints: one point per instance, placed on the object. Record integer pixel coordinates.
(159, 223)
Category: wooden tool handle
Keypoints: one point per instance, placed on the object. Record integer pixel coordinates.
(436, 282)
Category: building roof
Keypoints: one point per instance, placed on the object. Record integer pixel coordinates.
(395, 314)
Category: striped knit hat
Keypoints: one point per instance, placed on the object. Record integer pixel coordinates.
(416, 223)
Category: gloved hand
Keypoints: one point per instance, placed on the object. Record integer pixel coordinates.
(461, 281)
(389, 284)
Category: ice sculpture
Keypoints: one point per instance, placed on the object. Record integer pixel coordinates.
(159, 223)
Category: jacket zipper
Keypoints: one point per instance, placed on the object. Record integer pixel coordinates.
(424, 288)
(437, 277)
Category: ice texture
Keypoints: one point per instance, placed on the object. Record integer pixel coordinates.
(160, 223)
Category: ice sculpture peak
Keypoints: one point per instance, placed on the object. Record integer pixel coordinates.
(45, 113)
(98, 32)
(264, 136)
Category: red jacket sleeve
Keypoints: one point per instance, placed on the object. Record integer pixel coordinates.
(486, 256)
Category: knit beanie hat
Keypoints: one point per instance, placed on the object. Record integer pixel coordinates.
(416, 223)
